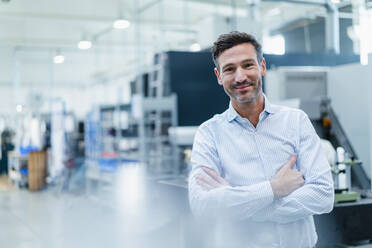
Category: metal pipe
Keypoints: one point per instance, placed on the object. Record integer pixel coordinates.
(234, 21)
(332, 29)
(254, 10)
(307, 39)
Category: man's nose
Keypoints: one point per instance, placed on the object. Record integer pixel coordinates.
(240, 75)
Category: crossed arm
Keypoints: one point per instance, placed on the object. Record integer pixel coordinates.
(289, 196)
(286, 180)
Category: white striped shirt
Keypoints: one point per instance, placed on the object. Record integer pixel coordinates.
(248, 157)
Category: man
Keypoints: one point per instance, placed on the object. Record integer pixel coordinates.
(258, 167)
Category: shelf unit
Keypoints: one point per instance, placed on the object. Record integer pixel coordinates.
(154, 116)
(138, 130)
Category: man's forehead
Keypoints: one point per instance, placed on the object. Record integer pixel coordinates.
(238, 53)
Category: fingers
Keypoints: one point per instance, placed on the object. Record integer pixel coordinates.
(292, 161)
(206, 180)
(287, 166)
(287, 183)
(212, 179)
(213, 174)
(298, 179)
(203, 184)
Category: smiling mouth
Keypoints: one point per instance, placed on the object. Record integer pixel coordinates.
(243, 86)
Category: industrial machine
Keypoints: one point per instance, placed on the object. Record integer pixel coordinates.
(342, 176)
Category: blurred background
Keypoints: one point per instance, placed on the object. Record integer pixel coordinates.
(100, 101)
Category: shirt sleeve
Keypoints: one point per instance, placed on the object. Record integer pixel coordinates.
(234, 202)
(316, 196)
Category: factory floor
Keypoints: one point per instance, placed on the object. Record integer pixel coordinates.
(126, 208)
(126, 212)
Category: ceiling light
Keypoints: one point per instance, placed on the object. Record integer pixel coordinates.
(84, 44)
(58, 59)
(274, 12)
(121, 24)
(335, 1)
(19, 108)
(195, 47)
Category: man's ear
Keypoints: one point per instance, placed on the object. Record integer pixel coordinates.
(218, 76)
(263, 67)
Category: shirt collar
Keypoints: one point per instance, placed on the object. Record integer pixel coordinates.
(232, 114)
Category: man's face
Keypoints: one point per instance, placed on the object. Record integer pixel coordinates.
(240, 73)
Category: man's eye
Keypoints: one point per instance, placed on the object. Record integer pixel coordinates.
(229, 69)
(247, 65)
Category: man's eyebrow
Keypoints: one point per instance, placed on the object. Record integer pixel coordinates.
(248, 60)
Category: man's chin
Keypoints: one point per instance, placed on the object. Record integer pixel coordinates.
(245, 99)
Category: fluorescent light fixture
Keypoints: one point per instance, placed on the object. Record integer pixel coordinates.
(274, 12)
(335, 1)
(274, 45)
(121, 24)
(195, 47)
(58, 59)
(19, 108)
(84, 44)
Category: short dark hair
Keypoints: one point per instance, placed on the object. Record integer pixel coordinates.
(226, 41)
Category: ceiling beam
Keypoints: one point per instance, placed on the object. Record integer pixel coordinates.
(311, 2)
(77, 18)
(56, 16)
(36, 84)
(70, 44)
(148, 5)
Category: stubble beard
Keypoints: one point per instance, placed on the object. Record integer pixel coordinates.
(245, 99)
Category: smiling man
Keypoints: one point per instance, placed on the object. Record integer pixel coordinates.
(258, 168)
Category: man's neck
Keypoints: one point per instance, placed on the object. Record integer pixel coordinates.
(250, 110)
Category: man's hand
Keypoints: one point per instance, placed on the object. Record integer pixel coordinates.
(286, 179)
(212, 181)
